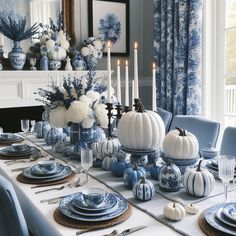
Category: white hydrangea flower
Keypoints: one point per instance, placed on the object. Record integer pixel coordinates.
(86, 99)
(58, 54)
(95, 96)
(85, 51)
(44, 38)
(101, 114)
(61, 35)
(98, 44)
(93, 50)
(88, 123)
(77, 112)
(65, 44)
(50, 43)
(57, 117)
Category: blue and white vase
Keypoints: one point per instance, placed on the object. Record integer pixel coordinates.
(44, 61)
(16, 56)
(54, 65)
(78, 63)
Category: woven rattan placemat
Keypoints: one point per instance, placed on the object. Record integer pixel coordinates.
(66, 221)
(25, 180)
(208, 229)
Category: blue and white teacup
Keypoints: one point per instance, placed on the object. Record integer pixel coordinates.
(47, 165)
(20, 147)
(94, 196)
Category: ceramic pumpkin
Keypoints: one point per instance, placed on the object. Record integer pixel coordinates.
(41, 128)
(141, 130)
(107, 147)
(55, 135)
(180, 144)
(119, 167)
(174, 211)
(191, 209)
(97, 162)
(143, 190)
(132, 175)
(155, 172)
(107, 162)
(198, 182)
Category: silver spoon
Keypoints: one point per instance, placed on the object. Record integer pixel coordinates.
(50, 189)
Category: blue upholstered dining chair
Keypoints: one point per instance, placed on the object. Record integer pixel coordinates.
(166, 117)
(12, 221)
(228, 145)
(205, 130)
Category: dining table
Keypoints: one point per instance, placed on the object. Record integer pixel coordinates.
(39, 215)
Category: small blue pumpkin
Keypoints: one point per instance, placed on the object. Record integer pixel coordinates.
(55, 135)
(41, 128)
(155, 172)
(132, 175)
(107, 162)
(97, 162)
(119, 167)
(143, 190)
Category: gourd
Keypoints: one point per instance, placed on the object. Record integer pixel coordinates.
(191, 209)
(180, 144)
(108, 146)
(132, 175)
(97, 162)
(107, 162)
(141, 130)
(155, 172)
(55, 135)
(143, 190)
(174, 211)
(41, 128)
(119, 167)
(198, 182)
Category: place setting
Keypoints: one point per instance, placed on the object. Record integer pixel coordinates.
(7, 139)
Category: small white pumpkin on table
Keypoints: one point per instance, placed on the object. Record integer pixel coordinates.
(191, 209)
(174, 211)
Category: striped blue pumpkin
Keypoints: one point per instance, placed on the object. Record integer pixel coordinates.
(198, 182)
(107, 147)
(107, 162)
(143, 190)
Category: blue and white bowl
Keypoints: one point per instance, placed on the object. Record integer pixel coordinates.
(209, 152)
(94, 196)
(180, 162)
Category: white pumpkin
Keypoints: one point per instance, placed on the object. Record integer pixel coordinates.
(180, 144)
(107, 162)
(174, 211)
(141, 130)
(191, 209)
(107, 147)
(198, 182)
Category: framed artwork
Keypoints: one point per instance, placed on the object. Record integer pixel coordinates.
(109, 20)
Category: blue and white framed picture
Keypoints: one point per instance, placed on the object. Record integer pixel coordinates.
(109, 20)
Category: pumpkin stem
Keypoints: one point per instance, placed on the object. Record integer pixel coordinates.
(135, 166)
(143, 180)
(141, 108)
(173, 204)
(199, 166)
(182, 132)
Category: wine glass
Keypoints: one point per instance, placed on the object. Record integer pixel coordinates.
(226, 166)
(86, 160)
(25, 126)
(33, 63)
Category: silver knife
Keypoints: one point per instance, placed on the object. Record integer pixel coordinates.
(53, 199)
(125, 232)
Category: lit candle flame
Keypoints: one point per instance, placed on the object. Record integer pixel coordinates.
(118, 62)
(109, 44)
(126, 62)
(135, 45)
(153, 66)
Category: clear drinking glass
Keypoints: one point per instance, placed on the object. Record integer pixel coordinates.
(25, 126)
(226, 166)
(86, 160)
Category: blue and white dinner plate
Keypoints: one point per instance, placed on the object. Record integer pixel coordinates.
(9, 137)
(221, 216)
(210, 217)
(109, 202)
(7, 151)
(64, 208)
(230, 211)
(36, 170)
(66, 171)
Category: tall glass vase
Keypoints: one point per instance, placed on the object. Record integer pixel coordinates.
(16, 56)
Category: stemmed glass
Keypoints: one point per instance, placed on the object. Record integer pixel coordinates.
(33, 63)
(86, 159)
(226, 166)
(25, 126)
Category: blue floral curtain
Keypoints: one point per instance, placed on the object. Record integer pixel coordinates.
(177, 53)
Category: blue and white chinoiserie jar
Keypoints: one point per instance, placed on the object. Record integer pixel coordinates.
(78, 63)
(54, 64)
(16, 56)
(55, 135)
(170, 177)
(41, 128)
(44, 62)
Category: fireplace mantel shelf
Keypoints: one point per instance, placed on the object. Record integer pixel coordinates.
(17, 88)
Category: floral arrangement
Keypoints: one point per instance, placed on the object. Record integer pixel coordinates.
(90, 52)
(14, 27)
(78, 100)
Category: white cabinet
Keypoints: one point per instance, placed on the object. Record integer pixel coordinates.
(17, 88)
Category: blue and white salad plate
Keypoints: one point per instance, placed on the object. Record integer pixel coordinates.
(7, 151)
(36, 170)
(64, 172)
(109, 202)
(230, 211)
(210, 217)
(64, 207)
(221, 216)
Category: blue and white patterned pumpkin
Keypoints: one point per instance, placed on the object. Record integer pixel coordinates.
(55, 135)
(198, 182)
(108, 146)
(97, 162)
(143, 190)
(41, 128)
(119, 167)
(155, 172)
(132, 175)
(107, 162)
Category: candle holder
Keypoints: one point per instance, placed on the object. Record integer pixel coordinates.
(109, 109)
(118, 113)
(136, 104)
(126, 109)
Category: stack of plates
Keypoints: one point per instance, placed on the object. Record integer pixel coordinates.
(222, 217)
(74, 207)
(212, 166)
(8, 138)
(36, 173)
(11, 153)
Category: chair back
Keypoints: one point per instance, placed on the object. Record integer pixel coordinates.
(228, 145)
(12, 221)
(206, 131)
(166, 117)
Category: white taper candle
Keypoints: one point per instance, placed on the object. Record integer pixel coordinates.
(154, 96)
(126, 83)
(136, 89)
(109, 72)
(118, 82)
(132, 103)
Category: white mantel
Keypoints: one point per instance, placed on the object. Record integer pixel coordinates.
(17, 87)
